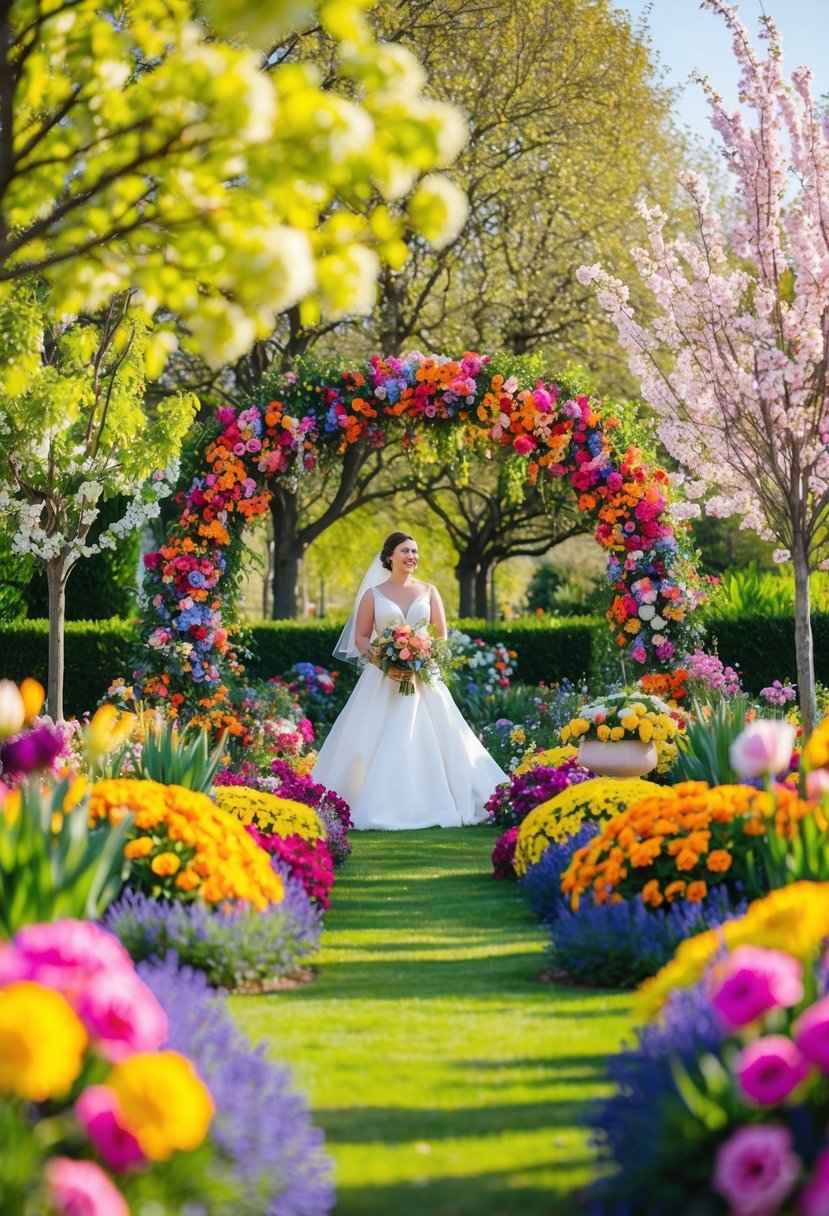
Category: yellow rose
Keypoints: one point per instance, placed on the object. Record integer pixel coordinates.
(42, 1042)
(603, 732)
(166, 1105)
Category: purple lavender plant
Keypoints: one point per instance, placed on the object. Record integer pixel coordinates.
(262, 1127)
(542, 882)
(619, 945)
(513, 800)
(233, 946)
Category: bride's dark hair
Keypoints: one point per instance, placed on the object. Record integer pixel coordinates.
(389, 546)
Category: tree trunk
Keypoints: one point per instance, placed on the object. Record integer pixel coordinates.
(804, 648)
(288, 552)
(57, 572)
(466, 574)
(482, 592)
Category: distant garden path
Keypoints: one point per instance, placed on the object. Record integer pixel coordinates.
(447, 1079)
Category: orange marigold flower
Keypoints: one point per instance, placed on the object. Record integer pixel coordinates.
(696, 892)
(675, 889)
(651, 893)
(719, 861)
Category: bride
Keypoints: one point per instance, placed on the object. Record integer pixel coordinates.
(402, 762)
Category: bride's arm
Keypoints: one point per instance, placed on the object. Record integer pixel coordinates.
(437, 616)
(364, 624)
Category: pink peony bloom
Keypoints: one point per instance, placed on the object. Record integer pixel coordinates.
(811, 1033)
(753, 980)
(100, 1114)
(763, 749)
(64, 956)
(770, 1068)
(122, 1015)
(756, 1169)
(813, 1200)
(81, 1188)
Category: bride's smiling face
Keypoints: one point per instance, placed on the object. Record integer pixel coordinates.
(405, 557)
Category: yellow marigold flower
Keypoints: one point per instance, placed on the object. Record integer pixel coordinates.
(651, 894)
(630, 722)
(578, 727)
(165, 864)
(165, 1103)
(270, 812)
(142, 846)
(603, 732)
(616, 733)
(645, 730)
(42, 1042)
(186, 880)
(551, 758)
(675, 889)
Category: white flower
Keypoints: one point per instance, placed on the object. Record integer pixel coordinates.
(646, 611)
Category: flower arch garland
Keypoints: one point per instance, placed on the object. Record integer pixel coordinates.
(454, 405)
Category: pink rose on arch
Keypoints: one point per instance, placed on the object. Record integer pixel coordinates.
(811, 1034)
(81, 1188)
(770, 1068)
(755, 1169)
(753, 980)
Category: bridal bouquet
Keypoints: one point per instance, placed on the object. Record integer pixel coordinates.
(404, 651)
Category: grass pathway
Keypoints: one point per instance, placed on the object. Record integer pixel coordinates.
(447, 1078)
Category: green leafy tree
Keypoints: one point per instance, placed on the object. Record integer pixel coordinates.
(143, 150)
(74, 431)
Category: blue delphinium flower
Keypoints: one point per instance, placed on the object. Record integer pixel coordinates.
(262, 1124)
(542, 882)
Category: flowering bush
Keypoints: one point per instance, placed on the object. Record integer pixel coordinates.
(778, 694)
(183, 846)
(512, 801)
(541, 883)
(235, 945)
(479, 667)
(708, 678)
(262, 1127)
(315, 689)
(678, 842)
(669, 686)
(307, 860)
(270, 812)
(622, 715)
(83, 1080)
(562, 816)
(755, 1112)
(503, 854)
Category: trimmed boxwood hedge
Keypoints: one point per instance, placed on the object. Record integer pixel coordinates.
(98, 651)
(762, 647)
(546, 650)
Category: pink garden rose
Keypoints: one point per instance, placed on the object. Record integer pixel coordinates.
(770, 1068)
(122, 1015)
(99, 1112)
(763, 749)
(753, 980)
(811, 1033)
(63, 955)
(755, 1169)
(81, 1188)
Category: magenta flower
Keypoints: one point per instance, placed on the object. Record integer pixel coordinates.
(753, 980)
(121, 1015)
(81, 1188)
(63, 955)
(99, 1113)
(770, 1068)
(811, 1033)
(755, 1169)
(814, 1198)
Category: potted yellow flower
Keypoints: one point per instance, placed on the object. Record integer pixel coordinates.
(625, 734)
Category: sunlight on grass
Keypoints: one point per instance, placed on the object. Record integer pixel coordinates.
(447, 1078)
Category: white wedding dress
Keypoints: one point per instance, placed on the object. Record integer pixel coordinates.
(406, 761)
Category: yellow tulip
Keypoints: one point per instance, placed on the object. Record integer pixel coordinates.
(165, 1103)
(33, 697)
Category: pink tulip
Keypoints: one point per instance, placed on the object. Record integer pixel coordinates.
(755, 1169)
(817, 784)
(763, 749)
(770, 1068)
(811, 1033)
(81, 1188)
(753, 980)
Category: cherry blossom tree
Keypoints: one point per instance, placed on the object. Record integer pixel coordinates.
(735, 362)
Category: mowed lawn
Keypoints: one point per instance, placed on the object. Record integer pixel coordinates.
(448, 1079)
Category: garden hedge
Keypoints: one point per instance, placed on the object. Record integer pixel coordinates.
(98, 651)
(762, 647)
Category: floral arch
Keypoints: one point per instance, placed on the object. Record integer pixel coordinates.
(435, 404)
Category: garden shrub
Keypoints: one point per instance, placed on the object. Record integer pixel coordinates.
(234, 945)
(747, 642)
(96, 652)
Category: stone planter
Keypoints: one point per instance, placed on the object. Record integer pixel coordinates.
(625, 758)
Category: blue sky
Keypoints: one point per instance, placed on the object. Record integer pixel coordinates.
(687, 38)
